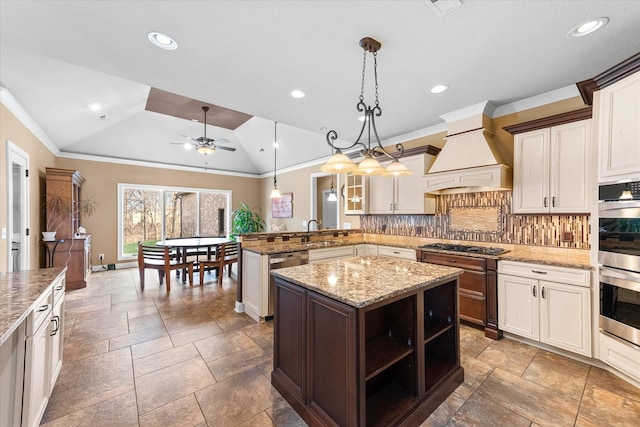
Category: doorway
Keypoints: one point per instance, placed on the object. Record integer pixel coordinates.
(319, 190)
(17, 208)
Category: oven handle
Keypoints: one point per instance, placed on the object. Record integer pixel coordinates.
(623, 279)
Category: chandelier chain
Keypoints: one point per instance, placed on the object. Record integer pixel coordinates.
(364, 67)
(375, 74)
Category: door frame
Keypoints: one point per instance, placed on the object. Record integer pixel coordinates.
(313, 208)
(16, 155)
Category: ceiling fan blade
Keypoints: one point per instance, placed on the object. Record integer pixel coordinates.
(180, 143)
(222, 147)
(188, 137)
(223, 141)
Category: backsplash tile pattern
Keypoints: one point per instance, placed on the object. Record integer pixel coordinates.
(538, 230)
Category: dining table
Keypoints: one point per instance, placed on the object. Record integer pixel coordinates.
(184, 245)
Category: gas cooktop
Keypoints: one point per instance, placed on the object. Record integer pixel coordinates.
(482, 250)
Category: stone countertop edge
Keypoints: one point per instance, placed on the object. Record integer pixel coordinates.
(362, 281)
(512, 255)
(18, 293)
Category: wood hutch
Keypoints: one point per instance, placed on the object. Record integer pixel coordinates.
(72, 250)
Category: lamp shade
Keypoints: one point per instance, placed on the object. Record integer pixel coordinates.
(332, 196)
(397, 168)
(369, 166)
(275, 193)
(339, 163)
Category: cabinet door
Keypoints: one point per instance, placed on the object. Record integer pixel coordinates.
(354, 194)
(11, 378)
(570, 175)
(409, 190)
(56, 336)
(381, 194)
(531, 172)
(565, 317)
(36, 376)
(620, 130)
(518, 306)
(255, 284)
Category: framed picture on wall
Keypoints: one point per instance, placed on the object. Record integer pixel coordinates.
(282, 207)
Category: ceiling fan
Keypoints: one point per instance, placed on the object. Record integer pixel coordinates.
(203, 144)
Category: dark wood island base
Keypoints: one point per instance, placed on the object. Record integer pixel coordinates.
(388, 363)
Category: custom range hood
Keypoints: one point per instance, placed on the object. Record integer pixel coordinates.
(469, 161)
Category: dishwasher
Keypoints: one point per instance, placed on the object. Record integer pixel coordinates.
(290, 259)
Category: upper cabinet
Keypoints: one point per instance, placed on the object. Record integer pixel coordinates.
(619, 139)
(401, 194)
(552, 169)
(354, 193)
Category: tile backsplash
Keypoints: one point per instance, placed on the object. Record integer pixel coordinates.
(483, 217)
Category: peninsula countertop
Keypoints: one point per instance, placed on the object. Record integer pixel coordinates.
(362, 281)
(18, 293)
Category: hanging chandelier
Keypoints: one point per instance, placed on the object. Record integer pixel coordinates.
(340, 162)
(275, 193)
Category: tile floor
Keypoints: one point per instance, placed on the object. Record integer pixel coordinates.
(187, 359)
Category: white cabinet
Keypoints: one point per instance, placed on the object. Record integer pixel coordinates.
(401, 194)
(354, 193)
(546, 303)
(394, 252)
(56, 333)
(619, 136)
(620, 354)
(255, 284)
(365, 249)
(325, 254)
(11, 378)
(552, 172)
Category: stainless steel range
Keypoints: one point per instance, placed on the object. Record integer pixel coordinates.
(477, 285)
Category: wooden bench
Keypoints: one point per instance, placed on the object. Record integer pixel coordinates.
(227, 254)
(160, 258)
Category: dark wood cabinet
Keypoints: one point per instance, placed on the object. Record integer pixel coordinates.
(478, 289)
(390, 363)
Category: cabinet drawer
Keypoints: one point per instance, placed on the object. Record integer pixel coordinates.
(474, 282)
(330, 253)
(465, 262)
(472, 308)
(40, 313)
(570, 276)
(397, 252)
(58, 288)
(620, 355)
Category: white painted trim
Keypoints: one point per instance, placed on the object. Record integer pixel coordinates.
(12, 104)
(561, 94)
(15, 154)
(484, 107)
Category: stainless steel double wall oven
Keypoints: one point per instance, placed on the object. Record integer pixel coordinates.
(619, 260)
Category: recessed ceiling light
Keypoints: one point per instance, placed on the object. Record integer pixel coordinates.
(588, 27)
(275, 144)
(298, 93)
(438, 88)
(162, 40)
(95, 106)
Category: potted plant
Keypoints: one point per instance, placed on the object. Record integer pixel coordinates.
(59, 208)
(244, 220)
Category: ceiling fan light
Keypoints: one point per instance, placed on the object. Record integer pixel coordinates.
(397, 168)
(205, 149)
(339, 163)
(369, 166)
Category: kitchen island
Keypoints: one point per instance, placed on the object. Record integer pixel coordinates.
(366, 341)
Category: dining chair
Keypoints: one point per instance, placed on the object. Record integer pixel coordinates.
(227, 254)
(160, 258)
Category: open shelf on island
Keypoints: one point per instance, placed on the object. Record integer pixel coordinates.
(382, 352)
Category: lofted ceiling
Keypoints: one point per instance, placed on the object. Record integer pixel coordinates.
(56, 57)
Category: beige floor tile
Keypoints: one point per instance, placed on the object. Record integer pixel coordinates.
(472, 341)
(184, 412)
(608, 381)
(127, 340)
(508, 355)
(534, 402)
(188, 321)
(145, 322)
(151, 347)
(81, 350)
(139, 312)
(174, 382)
(558, 373)
(260, 420)
(164, 359)
(224, 345)
(195, 334)
(231, 365)
(118, 411)
(283, 415)
(237, 399)
(603, 407)
(443, 413)
(478, 411)
(475, 371)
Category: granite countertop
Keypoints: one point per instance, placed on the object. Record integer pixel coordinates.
(296, 246)
(362, 281)
(18, 293)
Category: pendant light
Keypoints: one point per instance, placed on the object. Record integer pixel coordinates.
(275, 193)
(332, 193)
(339, 162)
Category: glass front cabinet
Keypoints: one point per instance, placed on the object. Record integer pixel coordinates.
(354, 194)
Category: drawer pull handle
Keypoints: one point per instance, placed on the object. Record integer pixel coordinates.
(553, 201)
(43, 308)
(452, 260)
(539, 271)
(56, 328)
(543, 292)
(59, 288)
(534, 290)
(396, 252)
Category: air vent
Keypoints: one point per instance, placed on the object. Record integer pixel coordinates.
(442, 7)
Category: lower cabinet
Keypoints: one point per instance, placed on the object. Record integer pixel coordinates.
(391, 363)
(555, 310)
(620, 354)
(392, 251)
(365, 249)
(11, 378)
(325, 254)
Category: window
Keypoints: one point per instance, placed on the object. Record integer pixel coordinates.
(150, 213)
